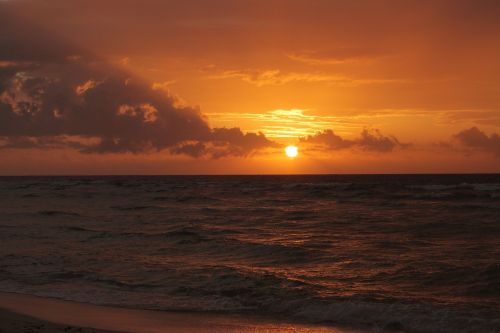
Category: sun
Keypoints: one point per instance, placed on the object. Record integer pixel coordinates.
(292, 151)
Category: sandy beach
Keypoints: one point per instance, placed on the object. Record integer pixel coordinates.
(31, 314)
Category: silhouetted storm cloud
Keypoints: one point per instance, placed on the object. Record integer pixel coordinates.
(53, 95)
(372, 140)
(477, 139)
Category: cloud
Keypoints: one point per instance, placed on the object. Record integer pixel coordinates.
(474, 138)
(78, 98)
(277, 77)
(280, 123)
(226, 142)
(43, 142)
(271, 77)
(335, 56)
(241, 144)
(370, 140)
(193, 149)
(329, 139)
(56, 96)
(476, 116)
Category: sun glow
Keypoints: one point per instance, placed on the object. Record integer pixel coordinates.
(291, 151)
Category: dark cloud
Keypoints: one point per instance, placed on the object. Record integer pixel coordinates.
(50, 90)
(241, 144)
(225, 142)
(372, 140)
(375, 141)
(51, 142)
(476, 139)
(194, 149)
(327, 138)
(77, 98)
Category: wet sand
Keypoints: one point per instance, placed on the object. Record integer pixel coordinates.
(30, 314)
(11, 322)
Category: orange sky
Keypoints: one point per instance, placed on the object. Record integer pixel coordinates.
(363, 86)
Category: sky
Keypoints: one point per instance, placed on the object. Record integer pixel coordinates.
(223, 86)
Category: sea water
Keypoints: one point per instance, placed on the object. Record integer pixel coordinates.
(415, 253)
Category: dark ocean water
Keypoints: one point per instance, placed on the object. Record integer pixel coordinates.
(410, 253)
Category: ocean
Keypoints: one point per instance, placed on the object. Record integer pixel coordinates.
(410, 253)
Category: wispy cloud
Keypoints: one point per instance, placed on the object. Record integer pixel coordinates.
(335, 57)
(490, 117)
(281, 124)
(277, 77)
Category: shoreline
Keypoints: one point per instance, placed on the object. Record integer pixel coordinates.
(33, 314)
(13, 322)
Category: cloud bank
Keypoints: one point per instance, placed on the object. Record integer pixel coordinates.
(53, 95)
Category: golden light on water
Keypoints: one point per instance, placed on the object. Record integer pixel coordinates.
(291, 151)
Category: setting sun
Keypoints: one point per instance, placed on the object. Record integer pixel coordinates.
(291, 151)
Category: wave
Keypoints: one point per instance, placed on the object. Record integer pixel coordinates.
(57, 212)
(228, 289)
(399, 316)
(134, 207)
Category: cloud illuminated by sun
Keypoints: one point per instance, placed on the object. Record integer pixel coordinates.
(279, 124)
